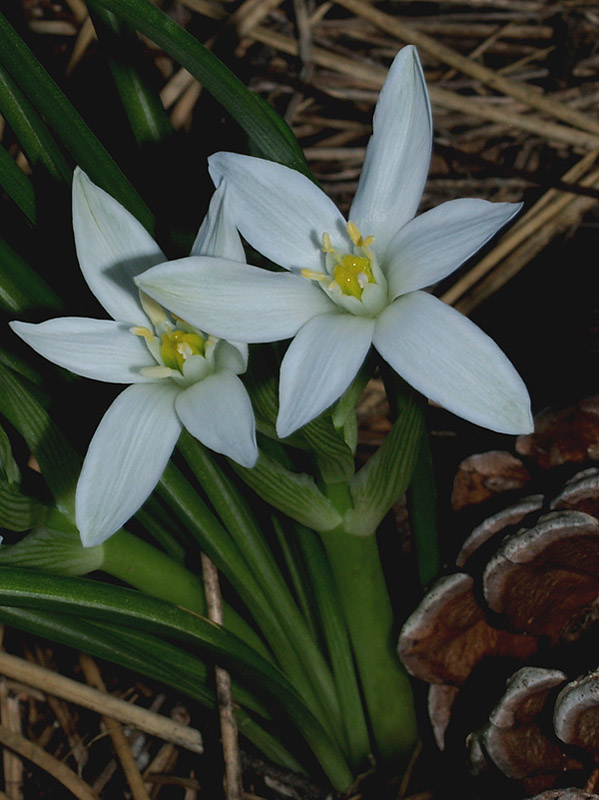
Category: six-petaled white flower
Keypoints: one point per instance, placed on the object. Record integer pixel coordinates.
(350, 285)
(180, 376)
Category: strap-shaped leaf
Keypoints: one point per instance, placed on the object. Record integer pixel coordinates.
(37, 142)
(92, 599)
(147, 117)
(268, 132)
(386, 475)
(150, 656)
(57, 460)
(9, 468)
(17, 185)
(21, 288)
(293, 493)
(18, 512)
(68, 125)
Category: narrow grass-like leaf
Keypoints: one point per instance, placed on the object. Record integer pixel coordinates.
(269, 134)
(95, 600)
(58, 461)
(67, 123)
(338, 644)
(217, 543)
(149, 656)
(10, 471)
(17, 185)
(236, 515)
(37, 142)
(21, 288)
(147, 117)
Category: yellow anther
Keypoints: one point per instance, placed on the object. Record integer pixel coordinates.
(312, 275)
(153, 309)
(354, 234)
(352, 274)
(177, 346)
(327, 247)
(139, 330)
(156, 372)
(368, 241)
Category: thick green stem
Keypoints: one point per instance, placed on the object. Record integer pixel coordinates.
(145, 567)
(361, 585)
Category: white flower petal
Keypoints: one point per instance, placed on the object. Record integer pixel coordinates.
(319, 365)
(449, 359)
(232, 355)
(433, 245)
(279, 211)
(398, 154)
(218, 412)
(112, 247)
(127, 455)
(235, 301)
(94, 348)
(218, 235)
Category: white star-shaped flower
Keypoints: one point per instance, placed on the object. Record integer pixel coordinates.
(180, 376)
(350, 285)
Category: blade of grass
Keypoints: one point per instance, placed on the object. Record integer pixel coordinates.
(92, 599)
(68, 125)
(268, 132)
(37, 142)
(17, 185)
(21, 288)
(149, 656)
(147, 117)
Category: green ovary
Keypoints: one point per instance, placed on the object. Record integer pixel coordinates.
(177, 346)
(352, 274)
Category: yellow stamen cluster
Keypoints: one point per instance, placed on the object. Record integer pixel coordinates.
(177, 346)
(352, 274)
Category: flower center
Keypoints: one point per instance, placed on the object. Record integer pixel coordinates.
(177, 346)
(181, 352)
(352, 273)
(354, 280)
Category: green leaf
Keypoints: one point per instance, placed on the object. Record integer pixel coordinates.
(21, 288)
(16, 184)
(293, 493)
(150, 656)
(57, 460)
(269, 134)
(126, 59)
(37, 142)
(219, 545)
(67, 123)
(386, 475)
(334, 458)
(8, 465)
(18, 511)
(235, 513)
(52, 550)
(91, 599)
